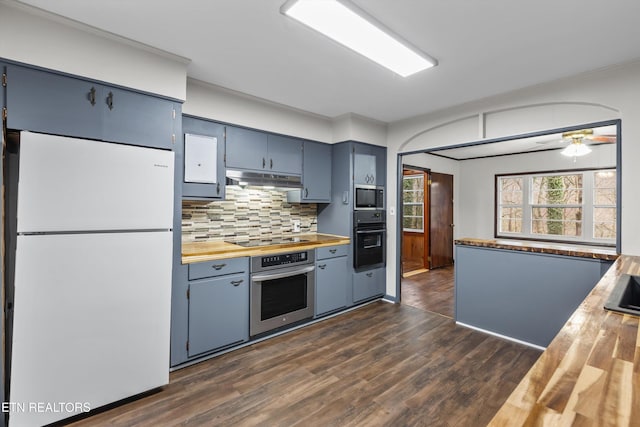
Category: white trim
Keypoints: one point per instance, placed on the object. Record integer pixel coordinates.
(528, 344)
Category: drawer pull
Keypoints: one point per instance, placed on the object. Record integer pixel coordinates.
(110, 100)
(237, 282)
(218, 266)
(333, 251)
(369, 274)
(322, 266)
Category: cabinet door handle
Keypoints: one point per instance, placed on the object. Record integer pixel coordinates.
(237, 282)
(218, 266)
(92, 96)
(264, 163)
(270, 163)
(369, 274)
(218, 188)
(322, 266)
(110, 100)
(306, 192)
(333, 251)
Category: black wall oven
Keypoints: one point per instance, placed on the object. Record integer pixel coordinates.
(369, 239)
(282, 290)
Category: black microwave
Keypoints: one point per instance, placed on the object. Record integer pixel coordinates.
(369, 197)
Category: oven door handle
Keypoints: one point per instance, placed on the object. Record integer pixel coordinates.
(280, 275)
(382, 230)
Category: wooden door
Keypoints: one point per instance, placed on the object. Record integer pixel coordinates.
(441, 220)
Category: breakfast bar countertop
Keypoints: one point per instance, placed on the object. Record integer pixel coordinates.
(215, 250)
(542, 248)
(590, 373)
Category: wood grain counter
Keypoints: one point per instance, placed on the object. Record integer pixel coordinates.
(210, 251)
(590, 373)
(542, 248)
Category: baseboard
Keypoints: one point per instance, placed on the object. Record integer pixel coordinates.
(528, 344)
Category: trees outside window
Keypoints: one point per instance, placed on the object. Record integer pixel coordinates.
(577, 206)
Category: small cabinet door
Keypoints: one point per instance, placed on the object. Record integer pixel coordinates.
(284, 155)
(46, 102)
(368, 284)
(332, 280)
(381, 165)
(215, 134)
(137, 119)
(3, 73)
(364, 165)
(246, 149)
(218, 313)
(316, 172)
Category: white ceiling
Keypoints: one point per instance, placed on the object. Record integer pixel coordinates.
(483, 47)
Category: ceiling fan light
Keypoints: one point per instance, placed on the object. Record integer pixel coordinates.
(576, 149)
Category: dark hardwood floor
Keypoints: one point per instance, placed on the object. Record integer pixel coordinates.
(380, 365)
(431, 291)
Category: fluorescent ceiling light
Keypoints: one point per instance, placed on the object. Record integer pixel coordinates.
(353, 28)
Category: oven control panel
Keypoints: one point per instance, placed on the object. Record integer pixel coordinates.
(284, 259)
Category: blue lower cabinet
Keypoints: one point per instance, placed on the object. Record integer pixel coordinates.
(218, 313)
(368, 284)
(332, 282)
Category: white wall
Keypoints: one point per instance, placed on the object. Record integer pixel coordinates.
(217, 103)
(606, 94)
(62, 45)
(476, 195)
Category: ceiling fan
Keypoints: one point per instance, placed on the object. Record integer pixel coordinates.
(582, 137)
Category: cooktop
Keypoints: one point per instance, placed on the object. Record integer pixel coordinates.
(268, 242)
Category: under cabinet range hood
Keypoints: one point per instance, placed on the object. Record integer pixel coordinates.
(240, 177)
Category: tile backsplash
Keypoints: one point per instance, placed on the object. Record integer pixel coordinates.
(246, 213)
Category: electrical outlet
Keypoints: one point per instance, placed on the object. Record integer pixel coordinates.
(392, 210)
(296, 225)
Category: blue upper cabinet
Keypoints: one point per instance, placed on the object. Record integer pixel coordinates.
(316, 172)
(137, 119)
(204, 176)
(246, 149)
(369, 164)
(3, 75)
(285, 155)
(263, 152)
(49, 102)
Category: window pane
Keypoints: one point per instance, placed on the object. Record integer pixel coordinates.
(511, 191)
(557, 190)
(604, 192)
(412, 210)
(511, 220)
(414, 223)
(604, 223)
(411, 196)
(557, 221)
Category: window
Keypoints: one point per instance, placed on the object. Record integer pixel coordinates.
(576, 206)
(413, 203)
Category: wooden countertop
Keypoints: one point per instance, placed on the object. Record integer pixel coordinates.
(542, 248)
(210, 251)
(590, 373)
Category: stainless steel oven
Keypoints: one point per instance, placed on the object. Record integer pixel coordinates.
(369, 239)
(282, 290)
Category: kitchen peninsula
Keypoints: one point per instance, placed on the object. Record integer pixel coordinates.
(589, 372)
(524, 291)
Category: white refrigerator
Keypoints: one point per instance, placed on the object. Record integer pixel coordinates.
(92, 282)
